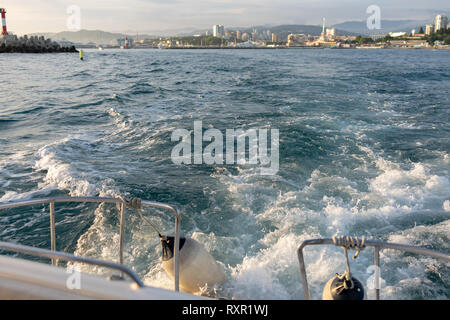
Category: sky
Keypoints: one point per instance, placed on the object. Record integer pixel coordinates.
(147, 16)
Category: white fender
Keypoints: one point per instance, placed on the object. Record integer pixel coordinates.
(327, 293)
(197, 267)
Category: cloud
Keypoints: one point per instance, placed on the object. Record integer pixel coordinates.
(142, 15)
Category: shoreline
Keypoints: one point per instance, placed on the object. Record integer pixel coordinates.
(271, 48)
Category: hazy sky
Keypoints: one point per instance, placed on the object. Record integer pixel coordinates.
(26, 16)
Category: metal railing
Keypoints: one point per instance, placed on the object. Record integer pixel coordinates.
(377, 245)
(69, 257)
(123, 207)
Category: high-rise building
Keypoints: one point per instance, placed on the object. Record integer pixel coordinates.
(218, 31)
(238, 35)
(429, 29)
(440, 22)
(255, 35)
(275, 37)
(292, 40)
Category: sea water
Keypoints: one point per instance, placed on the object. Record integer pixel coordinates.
(364, 149)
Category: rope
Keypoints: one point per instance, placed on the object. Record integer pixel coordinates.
(136, 203)
(349, 243)
(149, 223)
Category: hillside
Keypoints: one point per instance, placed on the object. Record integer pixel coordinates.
(86, 36)
(360, 27)
(285, 30)
(103, 37)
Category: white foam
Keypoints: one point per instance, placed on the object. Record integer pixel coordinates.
(263, 276)
(59, 174)
(446, 205)
(66, 169)
(264, 265)
(411, 278)
(392, 191)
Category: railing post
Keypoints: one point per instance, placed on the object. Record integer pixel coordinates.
(52, 230)
(177, 252)
(376, 251)
(123, 209)
(123, 205)
(69, 257)
(303, 277)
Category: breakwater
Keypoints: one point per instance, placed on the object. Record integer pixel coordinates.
(33, 44)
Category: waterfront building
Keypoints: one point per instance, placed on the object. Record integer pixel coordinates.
(327, 38)
(275, 37)
(331, 34)
(255, 35)
(429, 29)
(296, 40)
(218, 31)
(123, 42)
(377, 36)
(238, 35)
(440, 22)
(409, 43)
(245, 36)
(291, 39)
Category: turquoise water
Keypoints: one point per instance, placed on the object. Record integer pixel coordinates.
(364, 150)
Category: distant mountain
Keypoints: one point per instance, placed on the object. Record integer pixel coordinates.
(103, 37)
(285, 30)
(86, 36)
(360, 27)
(188, 31)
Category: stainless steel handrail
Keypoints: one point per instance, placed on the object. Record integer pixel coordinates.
(51, 201)
(377, 245)
(69, 257)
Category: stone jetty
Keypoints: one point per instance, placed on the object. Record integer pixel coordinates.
(32, 44)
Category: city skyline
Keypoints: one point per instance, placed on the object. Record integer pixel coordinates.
(30, 16)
